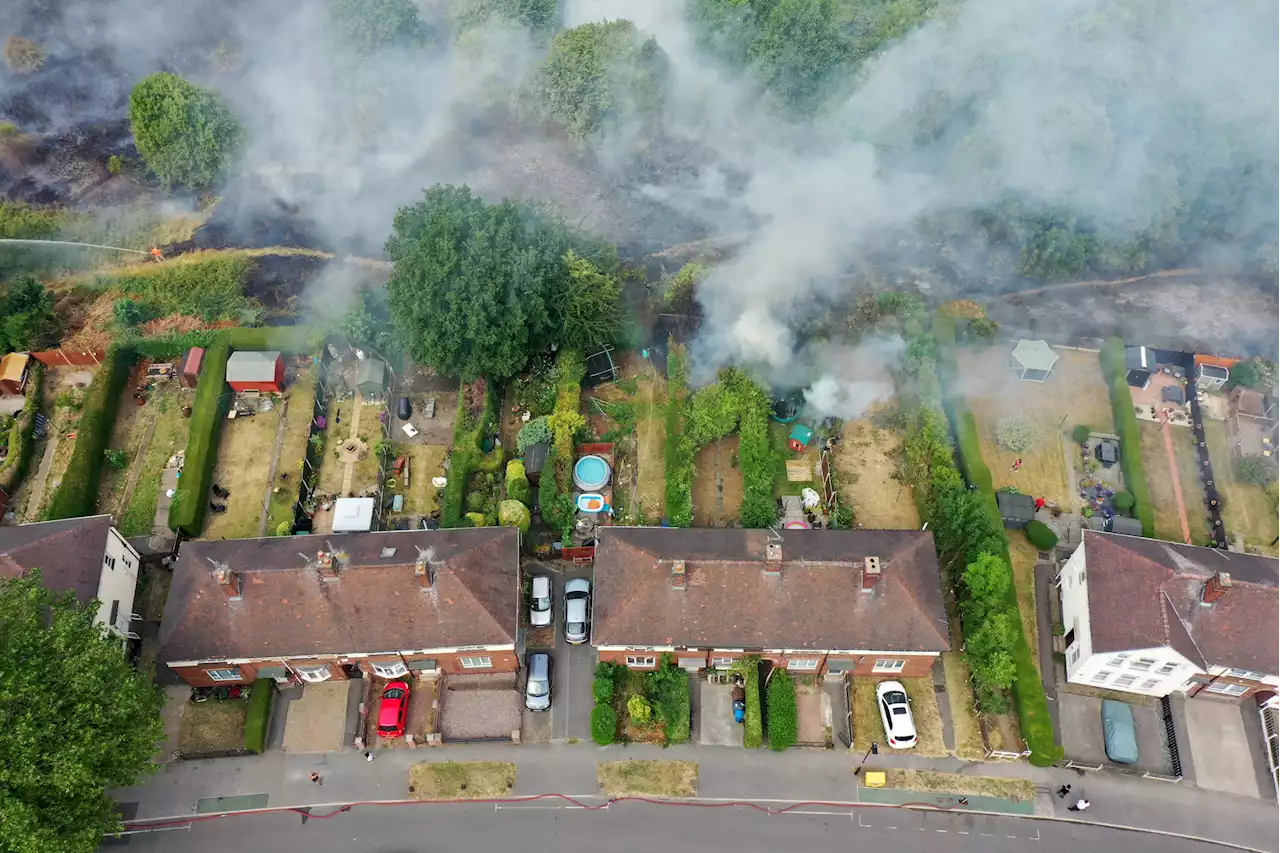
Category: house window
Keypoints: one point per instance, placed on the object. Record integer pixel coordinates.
(477, 662)
(314, 673)
(1149, 683)
(128, 564)
(722, 663)
(1168, 668)
(1075, 656)
(1246, 674)
(1082, 578)
(110, 562)
(889, 666)
(804, 664)
(232, 674)
(1102, 676)
(1126, 680)
(641, 660)
(1071, 638)
(115, 613)
(1143, 664)
(1228, 689)
(1118, 660)
(390, 670)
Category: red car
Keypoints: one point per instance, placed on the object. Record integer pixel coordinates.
(393, 709)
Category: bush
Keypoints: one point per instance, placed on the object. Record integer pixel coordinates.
(1080, 433)
(1135, 478)
(639, 711)
(518, 488)
(22, 55)
(258, 715)
(78, 493)
(1016, 435)
(130, 313)
(118, 460)
(514, 514)
(209, 411)
(602, 688)
(669, 689)
(1039, 534)
(476, 519)
(1122, 501)
(752, 726)
(680, 449)
(604, 724)
(475, 501)
(536, 431)
(184, 132)
(1258, 470)
(781, 696)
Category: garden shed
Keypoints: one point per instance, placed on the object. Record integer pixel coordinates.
(1125, 525)
(255, 370)
(1016, 510)
(1034, 360)
(535, 459)
(189, 367)
(371, 378)
(1139, 364)
(353, 515)
(1211, 377)
(13, 373)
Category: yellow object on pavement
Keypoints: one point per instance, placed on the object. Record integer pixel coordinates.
(874, 779)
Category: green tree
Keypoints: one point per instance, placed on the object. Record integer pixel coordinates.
(184, 132)
(367, 323)
(27, 319)
(986, 581)
(590, 310)
(1257, 373)
(682, 288)
(478, 288)
(799, 51)
(989, 652)
(600, 75)
(541, 17)
(77, 720)
(368, 26)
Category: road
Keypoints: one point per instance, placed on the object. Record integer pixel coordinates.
(629, 827)
(574, 670)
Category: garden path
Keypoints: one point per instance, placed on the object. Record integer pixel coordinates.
(349, 468)
(275, 462)
(42, 478)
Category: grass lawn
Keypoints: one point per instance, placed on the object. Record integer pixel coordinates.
(1023, 555)
(425, 461)
(244, 460)
(461, 780)
(212, 726)
(170, 436)
(651, 442)
(1075, 393)
(1249, 511)
(924, 712)
(293, 450)
(330, 480)
(953, 783)
(126, 434)
(964, 720)
(778, 436)
(1160, 479)
(63, 423)
(648, 778)
(866, 462)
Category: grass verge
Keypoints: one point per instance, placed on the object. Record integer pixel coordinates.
(952, 783)
(461, 780)
(215, 725)
(648, 778)
(258, 715)
(964, 720)
(924, 712)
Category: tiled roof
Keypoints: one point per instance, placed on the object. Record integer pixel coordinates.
(67, 552)
(815, 602)
(376, 605)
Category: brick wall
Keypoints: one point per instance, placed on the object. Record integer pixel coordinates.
(914, 666)
(450, 663)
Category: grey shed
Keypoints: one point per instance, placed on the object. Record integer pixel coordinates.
(1015, 509)
(371, 378)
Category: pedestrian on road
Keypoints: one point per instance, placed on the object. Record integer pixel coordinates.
(1081, 805)
(315, 777)
(1063, 791)
(368, 755)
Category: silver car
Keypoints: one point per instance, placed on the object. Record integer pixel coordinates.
(537, 688)
(540, 602)
(577, 610)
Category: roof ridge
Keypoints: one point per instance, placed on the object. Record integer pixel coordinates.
(1186, 629)
(53, 537)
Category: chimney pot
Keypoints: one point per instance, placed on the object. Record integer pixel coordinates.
(773, 558)
(679, 578)
(870, 573)
(228, 581)
(424, 573)
(1215, 588)
(327, 566)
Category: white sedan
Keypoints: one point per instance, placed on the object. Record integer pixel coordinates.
(895, 715)
(540, 601)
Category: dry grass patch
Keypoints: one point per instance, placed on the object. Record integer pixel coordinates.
(215, 725)
(717, 484)
(425, 461)
(924, 712)
(1249, 512)
(1023, 556)
(293, 450)
(170, 436)
(651, 442)
(952, 783)
(1160, 479)
(461, 780)
(867, 461)
(648, 778)
(964, 719)
(244, 460)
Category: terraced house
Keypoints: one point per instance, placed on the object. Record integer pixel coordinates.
(826, 602)
(316, 608)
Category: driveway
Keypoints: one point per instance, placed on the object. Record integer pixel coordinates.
(479, 707)
(1222, 752)
(716, 725)
(1080, 718)
(575, 668)
(317, 720)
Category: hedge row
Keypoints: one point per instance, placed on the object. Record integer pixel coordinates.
(77, 495)
(1135, 479)
(752, 726)
(258, 715)
(757, 459)
(680, 450)
(784, 726)
(21, 433)
(208, 412)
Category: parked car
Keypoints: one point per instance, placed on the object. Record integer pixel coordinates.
(537, 688)
(540, 603)
(577, 610)
(404, 409)
(1119, 734)
(393, 709)
(895, 715)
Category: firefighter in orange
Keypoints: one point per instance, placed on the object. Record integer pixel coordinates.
(156, 254)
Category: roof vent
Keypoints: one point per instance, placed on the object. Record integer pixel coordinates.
(1215, 588)
(870, 573)
(679, 579)
(773, 557)
(388, 552)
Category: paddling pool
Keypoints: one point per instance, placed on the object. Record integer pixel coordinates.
(591, 474)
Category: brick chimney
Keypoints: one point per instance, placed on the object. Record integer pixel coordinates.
(870, 574)
(679, 579)
(1215, 587)
(227, 580)
(773, 558)
(424, 570)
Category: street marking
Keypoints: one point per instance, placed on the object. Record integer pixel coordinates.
(962, 832)
(939, 830)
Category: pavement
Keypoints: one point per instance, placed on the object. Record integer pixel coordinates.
(716, 725)
(574, 669)
(1220, 749)
(1081, 731)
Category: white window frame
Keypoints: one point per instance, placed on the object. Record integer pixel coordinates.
(221, 674)
(641, 661)
(476, 662)
(390, 669)
(317, 674)
(1101, 676)
(722, 663)
(1121, 681)
(1150, 683)
(1117, 660)
(1075, 653)
(1168, 668)
(1143, 664)
(110, 562)
(891, 666)
(1081, 577)
(804, 664)
(1227, 689)
(1246, 674)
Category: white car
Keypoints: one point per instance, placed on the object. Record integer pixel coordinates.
(895, 714)
(577, 610)
(540, 602)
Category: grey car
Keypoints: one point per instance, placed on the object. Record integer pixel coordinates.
(577, 610)
(537, 688)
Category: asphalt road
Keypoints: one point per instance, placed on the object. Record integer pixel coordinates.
(632, 826)
(574, 670)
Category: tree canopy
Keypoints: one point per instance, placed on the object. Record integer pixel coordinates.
(184, 132)
(27, 319)
(478, 288)
(540, 17)
(76, 718)
(601, 75)
(368, 26)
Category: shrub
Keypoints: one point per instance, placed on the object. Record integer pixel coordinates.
(258, 715)
(209, 411)
(680, 449)
(1080, 433)
(1258, 470)
(477, 519)
(1122, 501)
(752, 726)
(475, 501)
(22, 55)
(130, 313)
(514, 514)
(1016, 435)
(115, 165)
(602, 688)
(781, 696)
(1135, 478)
(639, 711)
(118, 460)
(1039, 534)
(669, 689)
(536, 431)
(285, 528)
(604, 724)
(518, 488)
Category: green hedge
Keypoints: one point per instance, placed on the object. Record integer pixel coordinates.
(602, 689)
(1135, 479)
(668, 689)
(258, 715)
(781, 697)
(752, 726)
(78, 493)
(1039, 535)
(208, 412)
(604, 724)
(21, 442)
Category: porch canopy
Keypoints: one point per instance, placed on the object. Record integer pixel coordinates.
(1034, 360)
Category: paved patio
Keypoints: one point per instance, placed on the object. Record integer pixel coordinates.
(317, 720)
(813, 715)
(716, 726)
(1221, 749)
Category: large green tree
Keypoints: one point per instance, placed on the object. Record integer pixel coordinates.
(184, 132)
(27, 320)
(541, 17)
(477, 288)
(368, 26)
(602, 75)
(75, 720)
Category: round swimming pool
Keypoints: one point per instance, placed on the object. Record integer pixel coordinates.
(591, 473)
